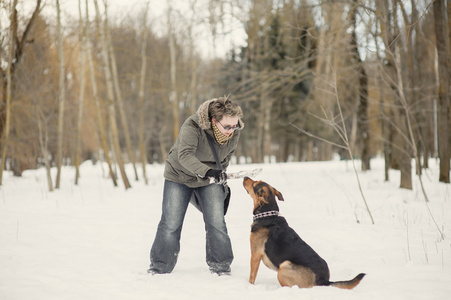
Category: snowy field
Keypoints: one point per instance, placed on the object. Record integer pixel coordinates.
(92, 241)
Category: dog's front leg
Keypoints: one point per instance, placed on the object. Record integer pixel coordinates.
(258, 240)
(255, 263)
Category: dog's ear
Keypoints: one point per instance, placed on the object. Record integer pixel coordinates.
(278, 194)
(262, 194)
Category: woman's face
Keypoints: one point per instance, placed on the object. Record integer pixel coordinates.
(227, 125)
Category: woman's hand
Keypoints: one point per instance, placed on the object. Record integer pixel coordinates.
(219, 176)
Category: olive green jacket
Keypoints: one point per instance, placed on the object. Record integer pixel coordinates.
(190, 157)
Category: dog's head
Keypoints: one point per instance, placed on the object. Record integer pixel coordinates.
(263, 194)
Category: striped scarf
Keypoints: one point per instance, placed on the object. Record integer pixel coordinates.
(219, 136)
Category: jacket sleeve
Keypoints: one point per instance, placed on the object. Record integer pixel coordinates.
(189, 138)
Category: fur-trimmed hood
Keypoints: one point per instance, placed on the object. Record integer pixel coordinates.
(204, 120)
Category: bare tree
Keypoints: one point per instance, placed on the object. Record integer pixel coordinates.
(443, 89)
(410, 139)
(17, 46)
(337, 123)
(44, 142)
(119, 100)
(142, 80)
(401, 157)
(173, 71)
(81, 37)
(61, 97)
(110, 96)
(362, 114)
(100, 124)
(5, 134)
(193, 59)
(448, 10)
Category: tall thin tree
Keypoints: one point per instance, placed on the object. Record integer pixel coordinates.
(110, 96)
(119, 100)
(95, 95)
(5, 136)
(142, 83)
(362, 113)
(61, 97)
(17, 45)
(44, 141)
(173, 71)
(81, 37)
(443, 90)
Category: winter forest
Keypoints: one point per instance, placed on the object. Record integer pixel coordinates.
(347, 112)
(315, 78)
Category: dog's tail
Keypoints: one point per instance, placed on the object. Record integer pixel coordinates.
(350, 284)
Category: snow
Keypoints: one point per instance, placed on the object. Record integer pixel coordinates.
(92, 241)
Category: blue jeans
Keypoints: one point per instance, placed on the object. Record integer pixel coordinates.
(166, 246)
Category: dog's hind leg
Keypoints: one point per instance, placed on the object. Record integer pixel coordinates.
(290, 274)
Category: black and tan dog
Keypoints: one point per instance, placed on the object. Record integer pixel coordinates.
(281, 248)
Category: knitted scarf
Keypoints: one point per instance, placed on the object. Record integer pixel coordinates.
(219, 136)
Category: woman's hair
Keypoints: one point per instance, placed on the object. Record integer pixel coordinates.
(223, 106)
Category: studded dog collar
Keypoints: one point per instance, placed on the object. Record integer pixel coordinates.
(266, 214)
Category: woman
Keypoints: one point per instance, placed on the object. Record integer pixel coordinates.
(189, 167)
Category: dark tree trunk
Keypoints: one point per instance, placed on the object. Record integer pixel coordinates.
(443, 93)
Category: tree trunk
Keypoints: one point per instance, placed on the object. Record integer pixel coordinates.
(266, 122)
(424, 116)
(443, 90)
(43, 141)
(163, 149)
(310, 146)
(101, 127)
(173, 71)
(405, 144)
(362, 111)
(81, 30)
(142, 80)
(7, 108)
(388, 132)
(110, 97)
(384, 129)
(448, 11)
(61, 98)
(259, 150)
(410, 95)
(193, 84)
(401, 149)
(18, 48)
(120, 103)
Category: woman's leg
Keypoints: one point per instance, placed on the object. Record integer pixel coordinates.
(219, 253)
(166, 246)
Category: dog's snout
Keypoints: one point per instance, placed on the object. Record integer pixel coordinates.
(247, 183)
(245, 179)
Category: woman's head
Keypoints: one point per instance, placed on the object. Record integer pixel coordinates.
(225, 114)
(223, 106)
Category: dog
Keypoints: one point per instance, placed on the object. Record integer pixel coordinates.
(280, 247)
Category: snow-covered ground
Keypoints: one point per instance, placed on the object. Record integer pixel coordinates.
(92, 241)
